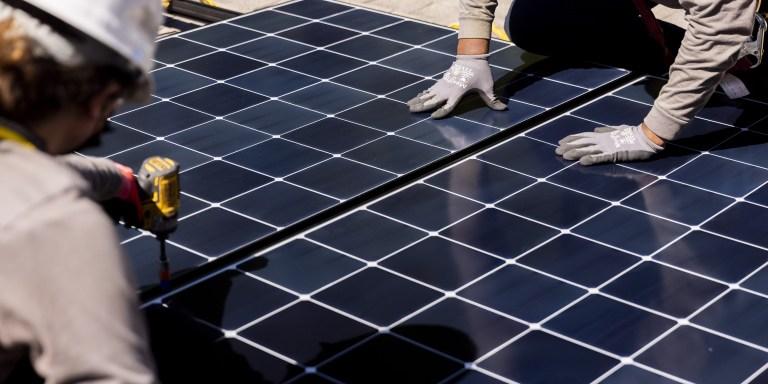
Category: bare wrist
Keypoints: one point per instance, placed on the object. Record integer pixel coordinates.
(652, 136)
(472, 47)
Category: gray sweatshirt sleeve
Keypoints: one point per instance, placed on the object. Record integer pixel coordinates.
(102, 175)
(476, 18)
(715, 33)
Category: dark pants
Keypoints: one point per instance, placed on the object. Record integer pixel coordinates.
(608, 32)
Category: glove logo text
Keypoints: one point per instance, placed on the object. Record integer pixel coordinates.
(623, 137)
(459, 75)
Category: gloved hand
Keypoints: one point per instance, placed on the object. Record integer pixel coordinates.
(469, 73)
(608, 145)
(129, 195)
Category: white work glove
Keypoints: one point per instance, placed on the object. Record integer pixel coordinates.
(469, 73)
(608, 145)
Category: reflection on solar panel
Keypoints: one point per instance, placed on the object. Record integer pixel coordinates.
(334, 237)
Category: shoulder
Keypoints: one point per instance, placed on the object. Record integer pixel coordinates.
(31, 179)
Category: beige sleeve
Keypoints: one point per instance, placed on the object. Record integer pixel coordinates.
(714, 36)
(67, 293)
(476, 18)
(101, 174)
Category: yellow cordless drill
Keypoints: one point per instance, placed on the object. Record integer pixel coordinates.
(158, 181)
(159, 199)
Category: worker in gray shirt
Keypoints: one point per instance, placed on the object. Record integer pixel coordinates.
(622, 33)
(68, 301)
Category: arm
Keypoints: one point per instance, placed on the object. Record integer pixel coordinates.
(715, 33)
(475, 21)
(476, 18)
(67, 293)
(470, 73)
(104, 176)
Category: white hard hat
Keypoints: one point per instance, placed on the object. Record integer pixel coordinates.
(127, 27)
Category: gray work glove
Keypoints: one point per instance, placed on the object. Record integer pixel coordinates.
(469, 73)
(608, 145)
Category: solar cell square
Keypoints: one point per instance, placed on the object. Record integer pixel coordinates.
(222, 35)
(723, 360)
(170, 82)
(540, 92)
(204, 301)
(721, 175)
(376, 79)
(362, 20)
(274, 117)
(174, 50)
(277, 157)
(115, 138)
(327, 98)
(270, 21)
(217, 181)
(480, 181)
(288, 204)
(696, 206)
(340, 178)
(395, 297)
(218, 137)
(219, 99)
(547, 358)
(271, 49)
(665, 289)
(383, 114)
(395, 154)
(451, 134)
(582, 74)
(579, 260)
(374, 361)
(136, 156)
(308, 333)
(317, 34)
(633, 374)
(540, 162)
(371, 48)
(646, 235)
(474, 109)
(366, 235)
(484, 330)
(301, 266)
(592, 321)
(147, 269)
(273, 81)
(314, 9)
(162, 119)
(210, 65)
(412, 32)
(420, 61)
(522, 293)
(499, 233)
(426, 207)
(333, 135)
(736, 222)
(215, 232)
(550, 204)
(441, 263)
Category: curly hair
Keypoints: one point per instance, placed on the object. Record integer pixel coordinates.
(33, 87)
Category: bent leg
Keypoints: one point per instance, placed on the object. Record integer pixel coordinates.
(608, 32)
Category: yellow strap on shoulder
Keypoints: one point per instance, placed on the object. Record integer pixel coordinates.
(8, 134)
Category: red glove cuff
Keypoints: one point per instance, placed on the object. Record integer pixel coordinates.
(129, 189)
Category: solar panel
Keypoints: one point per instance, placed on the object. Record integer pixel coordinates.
(332, 236)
